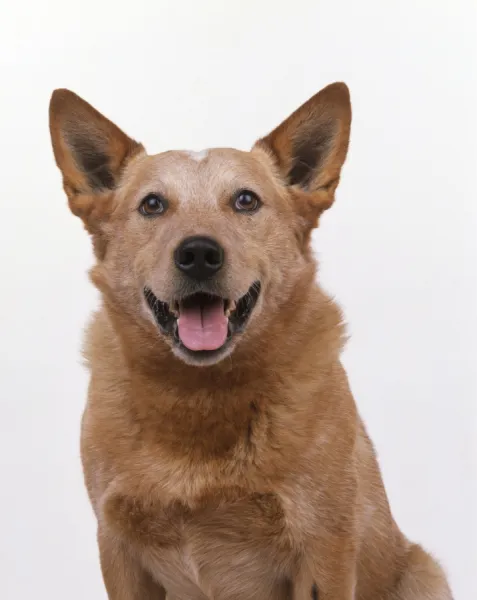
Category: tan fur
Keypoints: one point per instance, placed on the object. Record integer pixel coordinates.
(253, 477)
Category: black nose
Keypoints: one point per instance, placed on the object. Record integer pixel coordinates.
(199, 257)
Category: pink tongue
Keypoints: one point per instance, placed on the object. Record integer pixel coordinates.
(203, 328)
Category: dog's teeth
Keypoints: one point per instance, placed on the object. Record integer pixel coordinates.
(230, 308)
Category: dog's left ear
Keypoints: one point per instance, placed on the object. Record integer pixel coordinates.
(310, 147)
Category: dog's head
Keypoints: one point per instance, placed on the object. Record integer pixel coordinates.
(204, 249)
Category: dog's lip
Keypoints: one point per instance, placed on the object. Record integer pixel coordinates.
(237, 311)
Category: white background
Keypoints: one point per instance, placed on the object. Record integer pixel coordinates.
(398, 248)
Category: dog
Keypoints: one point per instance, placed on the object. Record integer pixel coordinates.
(222, 449)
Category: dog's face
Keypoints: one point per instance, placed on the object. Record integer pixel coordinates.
(205, 248)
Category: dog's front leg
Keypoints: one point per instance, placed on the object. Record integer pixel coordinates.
(328, 568)
(321, 584)
(123, 575)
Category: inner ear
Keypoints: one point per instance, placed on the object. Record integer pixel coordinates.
(309, 152)
(91, 157)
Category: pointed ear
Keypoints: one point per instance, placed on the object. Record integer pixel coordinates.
(309, 148)
(90, 151)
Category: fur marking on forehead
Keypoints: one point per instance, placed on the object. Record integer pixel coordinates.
(197, 156)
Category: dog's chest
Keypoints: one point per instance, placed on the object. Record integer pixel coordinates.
(225, 548)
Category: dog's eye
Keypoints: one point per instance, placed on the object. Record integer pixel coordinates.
(246, 201)
(152, 205)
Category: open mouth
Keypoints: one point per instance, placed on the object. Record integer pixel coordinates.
(202, 323)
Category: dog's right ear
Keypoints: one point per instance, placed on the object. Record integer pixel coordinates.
(91, 153)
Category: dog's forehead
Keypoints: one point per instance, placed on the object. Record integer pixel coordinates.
(188, 174)
(203, 164)
(197, 155)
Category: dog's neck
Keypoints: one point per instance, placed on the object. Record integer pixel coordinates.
(181, 403)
